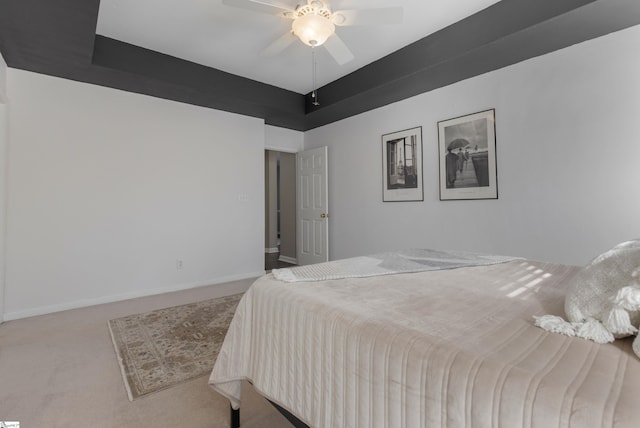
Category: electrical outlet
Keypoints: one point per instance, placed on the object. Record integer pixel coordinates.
(178, 265)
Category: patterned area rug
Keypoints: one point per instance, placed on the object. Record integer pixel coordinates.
(162, 348)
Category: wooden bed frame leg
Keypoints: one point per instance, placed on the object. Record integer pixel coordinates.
(235, 417)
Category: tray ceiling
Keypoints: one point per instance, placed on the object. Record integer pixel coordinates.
(231, 39)
(207, 54)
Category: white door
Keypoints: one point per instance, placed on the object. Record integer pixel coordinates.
(312, 213)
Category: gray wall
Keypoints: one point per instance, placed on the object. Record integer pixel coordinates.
(107, 190)
(3, 175)
(567, 159)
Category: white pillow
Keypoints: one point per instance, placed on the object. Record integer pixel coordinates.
(603, 299)
(591, 291)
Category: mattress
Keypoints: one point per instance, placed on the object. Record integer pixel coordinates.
(454, 348)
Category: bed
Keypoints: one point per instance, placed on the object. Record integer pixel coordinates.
(454, 346)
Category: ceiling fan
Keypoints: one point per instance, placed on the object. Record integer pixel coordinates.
(314, 23)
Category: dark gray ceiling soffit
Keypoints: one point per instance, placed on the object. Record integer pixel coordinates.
(175, 79)
(58, 38)
(506, 33)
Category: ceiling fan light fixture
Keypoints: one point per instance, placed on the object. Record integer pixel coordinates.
(313, 30)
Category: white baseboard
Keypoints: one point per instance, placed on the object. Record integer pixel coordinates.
(83, 303)
(288, 260)
(271, 250)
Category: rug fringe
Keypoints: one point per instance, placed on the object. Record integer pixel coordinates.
(120, 361)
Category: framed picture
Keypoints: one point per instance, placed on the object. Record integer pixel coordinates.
(402, 166)
(467, 157)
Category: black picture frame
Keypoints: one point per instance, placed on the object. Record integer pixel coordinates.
(467, 157)
(402, 166)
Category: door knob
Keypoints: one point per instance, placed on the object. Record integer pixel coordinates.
(324, 215)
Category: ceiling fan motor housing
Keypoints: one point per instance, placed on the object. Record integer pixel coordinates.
(315, 7)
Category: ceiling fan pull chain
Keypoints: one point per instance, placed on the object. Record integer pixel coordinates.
(314, 93)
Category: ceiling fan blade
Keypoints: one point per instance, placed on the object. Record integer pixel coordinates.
(378, 16)
(263, 6)
(280, 44)
(338, 50)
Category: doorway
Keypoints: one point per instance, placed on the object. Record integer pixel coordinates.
(280, 209)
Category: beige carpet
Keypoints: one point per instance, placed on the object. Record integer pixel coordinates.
(59, 371)
(165, 347)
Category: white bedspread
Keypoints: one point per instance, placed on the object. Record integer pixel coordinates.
(390, 263)
(454, 348)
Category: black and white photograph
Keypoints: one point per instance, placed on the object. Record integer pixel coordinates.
(402, 166)
(467, 157)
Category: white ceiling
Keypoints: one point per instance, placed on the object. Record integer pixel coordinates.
(231, 39)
